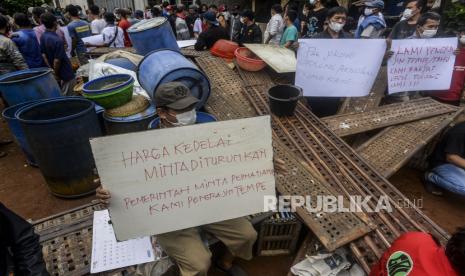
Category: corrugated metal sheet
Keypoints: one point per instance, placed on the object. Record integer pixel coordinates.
(112, 4)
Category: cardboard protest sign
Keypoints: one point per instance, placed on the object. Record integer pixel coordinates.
(421, 64)
(338, 67)
(170, 179)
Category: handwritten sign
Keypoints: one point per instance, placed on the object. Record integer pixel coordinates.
(170, 179)
(338, 67)
(421, 64)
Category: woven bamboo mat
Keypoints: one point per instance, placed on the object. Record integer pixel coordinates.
(306, 136)
(403, 141)
(362, 104)
(386, 115)
(333, 229)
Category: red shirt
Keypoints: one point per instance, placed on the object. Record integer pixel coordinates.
(124, 24)
(415, 254)
(458, 80)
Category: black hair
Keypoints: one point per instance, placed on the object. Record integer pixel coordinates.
(95, 10)
(21, 20)
(109, 17)
(455, 250)
(293, 7)
(213, 6)
(3, 22)
(420, 4)
(38, 11)
(155, 12)
(72, 10)
(249, 14)
(428, 15)
(277, 8)
(3, 11)
(48, 19)
(292, 15)
(179, 8)
(336, 10)
(123, 12)
(165, 4)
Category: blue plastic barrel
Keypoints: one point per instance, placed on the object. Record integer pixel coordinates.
(153, 34)
(164, 66)
(28, 85)
(133, 123)
(17, 131)
(202, 117)
(58, 132)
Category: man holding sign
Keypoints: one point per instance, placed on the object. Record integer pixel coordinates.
(176, 107)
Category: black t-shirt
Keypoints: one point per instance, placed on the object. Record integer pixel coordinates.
(315, 21)
(452, 143)
(402, 30)
(250, 34)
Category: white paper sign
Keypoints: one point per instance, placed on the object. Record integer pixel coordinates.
(170, 179)
(108, 254)
(93, 39)
(186, 43)
(421, 64)
(338, 67)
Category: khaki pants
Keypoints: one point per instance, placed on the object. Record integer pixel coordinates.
(191, 254)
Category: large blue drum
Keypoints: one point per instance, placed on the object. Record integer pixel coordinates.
(28, 85)
(152, 34)
(164, 66)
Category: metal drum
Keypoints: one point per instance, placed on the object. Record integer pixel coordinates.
(164, 66)
(152, 34)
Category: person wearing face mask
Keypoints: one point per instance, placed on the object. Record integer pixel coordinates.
(176, 108)
(250, 32)
(405, 28)
(371, 23)
(326, 106)
(455, 92)
(427, 26)
(275, 27)
(314, 18)
(291, 34)
(235, 29)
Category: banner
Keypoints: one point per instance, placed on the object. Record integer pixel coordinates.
(421, 64)
(170, 179)
(338, 67)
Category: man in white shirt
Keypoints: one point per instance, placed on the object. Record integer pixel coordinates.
(97, 24)
(275, 27)
(113, 36)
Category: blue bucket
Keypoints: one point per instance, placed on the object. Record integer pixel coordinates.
(28, 85)
(202, 117)
(152, 34)
(58, 132)
(133, 123)
(164, 66)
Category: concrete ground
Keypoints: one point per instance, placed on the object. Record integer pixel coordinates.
(23, 189)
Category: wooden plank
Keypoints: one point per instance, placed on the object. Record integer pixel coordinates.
(390, 149)
(386, 115)
(282, 60)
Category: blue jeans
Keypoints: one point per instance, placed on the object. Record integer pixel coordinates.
(449, 177)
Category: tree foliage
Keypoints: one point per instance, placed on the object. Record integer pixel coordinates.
(13, 6)
(454, 16)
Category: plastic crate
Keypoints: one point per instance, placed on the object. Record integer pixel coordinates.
(278, 235)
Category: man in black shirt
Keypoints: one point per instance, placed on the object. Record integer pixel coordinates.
(448, 163)
(250, 32)
(314, 15)
(20, 245)
(214, 33)
(406, 27)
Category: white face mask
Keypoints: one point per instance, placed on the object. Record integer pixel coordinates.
(242, 20)
(407, 13)
(428, 33)
(186, 118)
(368, 11)
(462, 39)
(336, 27)
(312, 2)
(305, 12)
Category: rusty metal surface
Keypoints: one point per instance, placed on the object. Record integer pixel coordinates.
(361, 104)
(333, 229)
(386, 115)
(403, 141)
